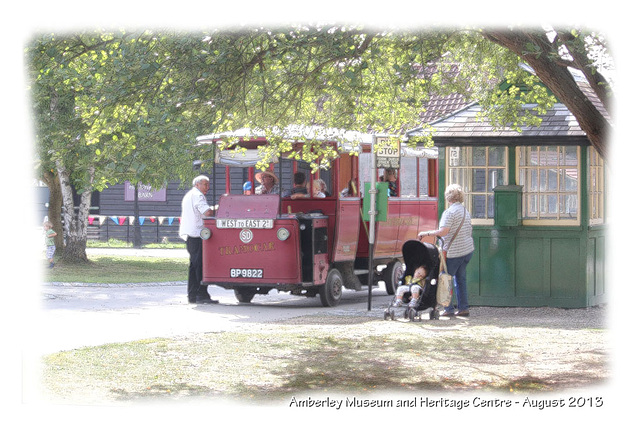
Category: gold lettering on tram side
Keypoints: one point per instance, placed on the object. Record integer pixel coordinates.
(401, 221)
(245, 249)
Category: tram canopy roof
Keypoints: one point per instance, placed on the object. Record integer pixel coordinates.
(250, 140)
(295, 133)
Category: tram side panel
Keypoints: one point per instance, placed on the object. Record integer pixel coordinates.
(408, 220)
(405, 219)
(428, 216)
(388, 233)
(347, 229)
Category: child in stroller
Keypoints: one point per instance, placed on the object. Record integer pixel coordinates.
(414, 284)
(419, 285)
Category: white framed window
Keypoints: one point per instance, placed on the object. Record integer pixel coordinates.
(478, 170)
(407, 176)
(413, 178)
(550, 179)
(596, 187)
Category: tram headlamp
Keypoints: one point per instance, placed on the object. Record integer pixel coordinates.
(283, 234)
(205, 233)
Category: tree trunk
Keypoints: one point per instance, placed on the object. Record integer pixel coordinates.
(75, 223)
(559, 80)
(54, 211)
(137, 232)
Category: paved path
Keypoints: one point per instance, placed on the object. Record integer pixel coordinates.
(78, 315)
(74, 316)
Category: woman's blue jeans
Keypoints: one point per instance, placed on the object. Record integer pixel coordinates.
(457, 267)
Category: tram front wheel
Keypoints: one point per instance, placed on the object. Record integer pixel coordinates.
(331, 291)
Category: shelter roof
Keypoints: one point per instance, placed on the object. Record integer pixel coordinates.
(455, 120)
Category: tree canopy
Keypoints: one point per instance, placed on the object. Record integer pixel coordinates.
(116, 105)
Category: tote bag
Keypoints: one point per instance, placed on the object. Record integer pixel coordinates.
(445, 284)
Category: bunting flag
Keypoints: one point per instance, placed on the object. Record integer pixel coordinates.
(91, 219)
(121, 220)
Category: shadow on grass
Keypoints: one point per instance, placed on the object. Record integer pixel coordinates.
(370, 365)
(266, 368)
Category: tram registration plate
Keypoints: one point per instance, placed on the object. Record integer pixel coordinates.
(255, 273)
(244, 223)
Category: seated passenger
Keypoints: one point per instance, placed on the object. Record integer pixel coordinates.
(391, 176)
(319, 188)
(351, 190)
(415, 285)
(268, 183)
(299, 186)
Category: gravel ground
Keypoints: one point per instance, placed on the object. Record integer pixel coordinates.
(529, 350)
(559, 348)
(293, 350)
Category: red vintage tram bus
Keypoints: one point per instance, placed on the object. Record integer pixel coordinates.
(315, 246)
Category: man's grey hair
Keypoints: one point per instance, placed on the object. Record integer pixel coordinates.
(199, 179)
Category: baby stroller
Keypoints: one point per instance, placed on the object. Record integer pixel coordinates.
(416, 254)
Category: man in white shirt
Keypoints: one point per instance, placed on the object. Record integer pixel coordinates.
(194, 209)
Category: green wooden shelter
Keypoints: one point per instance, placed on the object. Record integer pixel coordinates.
(537, 201)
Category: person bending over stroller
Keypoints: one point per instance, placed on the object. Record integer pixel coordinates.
(414, 285)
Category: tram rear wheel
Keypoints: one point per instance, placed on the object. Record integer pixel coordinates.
(392, 274)
(244, 294)
(331, 291)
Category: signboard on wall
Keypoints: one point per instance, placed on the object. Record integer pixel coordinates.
(145, 193)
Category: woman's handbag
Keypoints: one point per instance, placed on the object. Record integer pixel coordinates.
(444, 292)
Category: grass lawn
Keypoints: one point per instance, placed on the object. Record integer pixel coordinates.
(115, 243)
(120, 269)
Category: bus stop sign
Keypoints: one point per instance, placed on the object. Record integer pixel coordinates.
(387, 153)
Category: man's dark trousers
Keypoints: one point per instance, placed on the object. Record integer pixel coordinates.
(194, 289)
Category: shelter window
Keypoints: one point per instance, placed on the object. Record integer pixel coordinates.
(478, 170)
(550, 180)
(596, 187)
